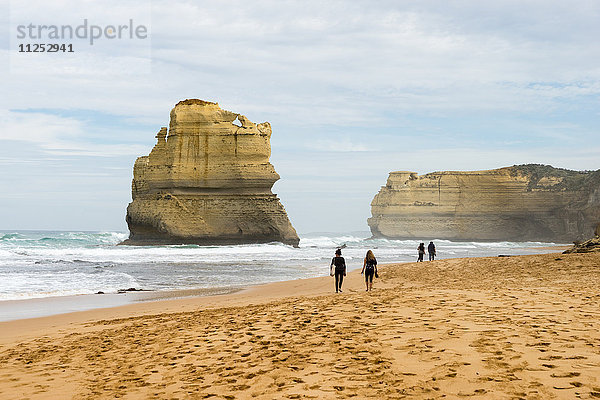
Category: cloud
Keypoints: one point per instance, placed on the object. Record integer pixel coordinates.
(309, 61)
(43, 129)
(340, 145)
(59, 136)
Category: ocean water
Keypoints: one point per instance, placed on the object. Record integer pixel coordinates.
(37, 264)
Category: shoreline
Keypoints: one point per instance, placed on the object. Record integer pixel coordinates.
(12, 310)
(521, 326)
(254, 294)
(144, 302)
(16, 309)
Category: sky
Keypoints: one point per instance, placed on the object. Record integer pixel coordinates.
(353, 90)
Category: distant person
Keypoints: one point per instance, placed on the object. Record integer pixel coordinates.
(431, 251)
(369, 269)
(338, 265)
(421, 250)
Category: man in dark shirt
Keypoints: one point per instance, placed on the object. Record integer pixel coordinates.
(431, 251)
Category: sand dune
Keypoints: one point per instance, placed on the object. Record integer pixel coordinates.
(500, 328)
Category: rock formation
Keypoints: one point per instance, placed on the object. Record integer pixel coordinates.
(589, 246)
(207, 181)
(519, 203)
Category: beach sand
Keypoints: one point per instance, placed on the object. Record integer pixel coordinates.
(498, 328)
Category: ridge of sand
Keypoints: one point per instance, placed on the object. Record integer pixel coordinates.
(511, 327)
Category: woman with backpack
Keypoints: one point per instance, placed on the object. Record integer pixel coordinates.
(369, 269)
(421, 250)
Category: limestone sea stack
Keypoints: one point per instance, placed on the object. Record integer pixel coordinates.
(520, 203)
(207, 181)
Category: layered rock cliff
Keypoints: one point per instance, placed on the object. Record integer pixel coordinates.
(207, 180)
(519, 203)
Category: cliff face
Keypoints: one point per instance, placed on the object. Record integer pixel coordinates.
(519, 203)
(208, 180)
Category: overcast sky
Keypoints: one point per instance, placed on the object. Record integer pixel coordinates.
(353, 90)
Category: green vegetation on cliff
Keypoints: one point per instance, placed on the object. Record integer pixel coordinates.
(569, 180)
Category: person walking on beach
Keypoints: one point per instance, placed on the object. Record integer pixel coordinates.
(421, 250)
(369, 269)
(431, 251)
(339, 264)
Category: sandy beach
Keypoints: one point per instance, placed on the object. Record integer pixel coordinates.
(497, 327)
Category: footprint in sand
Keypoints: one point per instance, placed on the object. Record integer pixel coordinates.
(566, 375)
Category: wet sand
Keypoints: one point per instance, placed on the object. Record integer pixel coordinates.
(498, 327)
(48, 306)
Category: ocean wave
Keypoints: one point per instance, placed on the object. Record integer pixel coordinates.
(53, 261)
(330, 241)
(99, 237)
(5, 254)
(11, 236)
(29, 284)
(63, 239)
